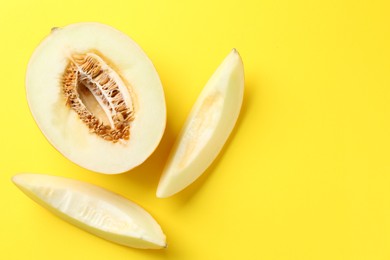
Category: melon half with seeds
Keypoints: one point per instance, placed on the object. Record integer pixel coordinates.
(96, 97)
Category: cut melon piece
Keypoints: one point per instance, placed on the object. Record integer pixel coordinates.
(96, 97)
(94, 209)
(207, 128)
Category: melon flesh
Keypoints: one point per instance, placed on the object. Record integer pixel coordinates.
(63, 127)
(207, 128)
(94, 209)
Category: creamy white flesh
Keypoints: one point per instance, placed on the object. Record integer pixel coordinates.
(207, 128)
(94, 209)
(63, 127)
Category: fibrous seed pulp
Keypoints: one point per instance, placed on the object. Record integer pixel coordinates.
(89, 76)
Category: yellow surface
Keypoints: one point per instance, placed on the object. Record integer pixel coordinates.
(306, 174)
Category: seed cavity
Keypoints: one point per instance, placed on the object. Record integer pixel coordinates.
(99, 96)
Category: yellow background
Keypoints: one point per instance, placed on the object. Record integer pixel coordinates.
(306, 173)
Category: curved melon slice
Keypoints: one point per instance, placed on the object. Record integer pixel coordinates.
(207, 128)
(96, 97)
(94, 209)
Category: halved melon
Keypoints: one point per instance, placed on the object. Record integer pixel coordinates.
(96, 97)
(207, 128)
(94, 209)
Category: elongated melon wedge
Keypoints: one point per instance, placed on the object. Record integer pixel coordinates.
(96, 97)
(94, 209)
(207, 128)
